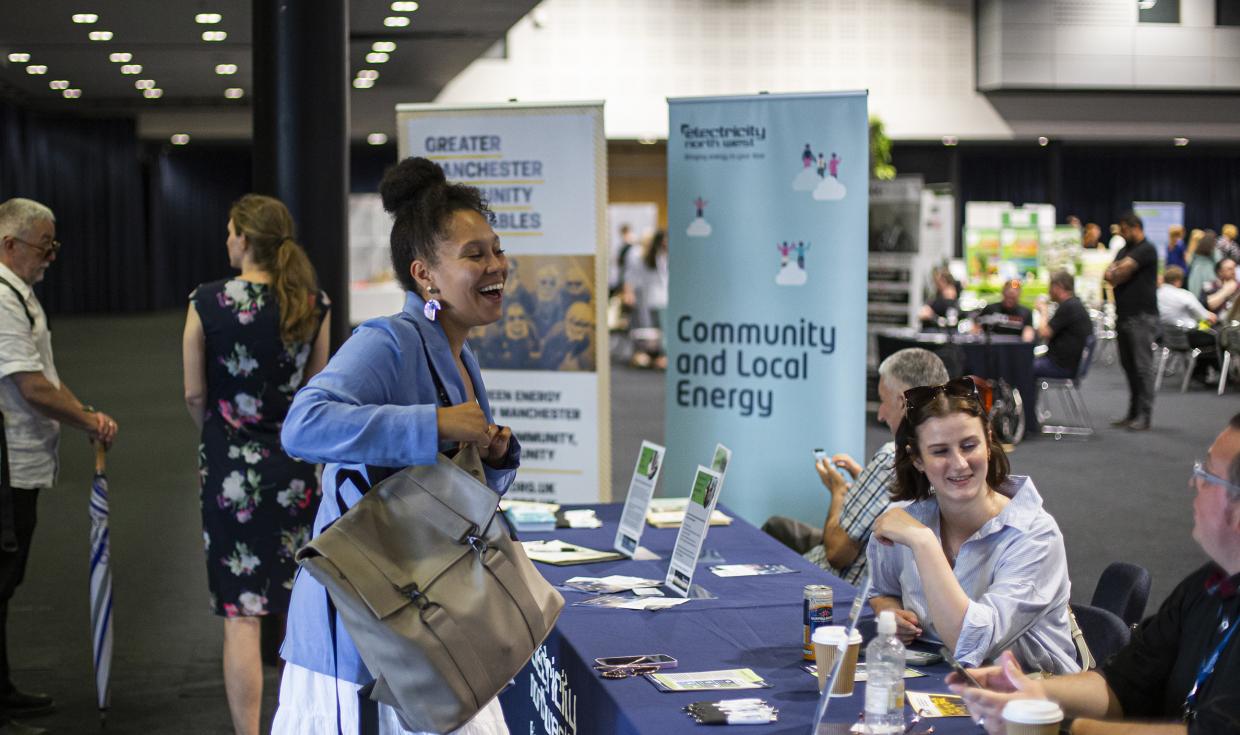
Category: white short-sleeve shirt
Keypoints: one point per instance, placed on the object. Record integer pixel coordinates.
(32, 438)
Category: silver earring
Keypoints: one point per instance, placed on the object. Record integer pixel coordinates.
(432, 305)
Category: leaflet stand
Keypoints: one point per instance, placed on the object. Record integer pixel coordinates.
(854, 614)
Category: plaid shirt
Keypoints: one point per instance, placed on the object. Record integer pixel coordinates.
(865, 501)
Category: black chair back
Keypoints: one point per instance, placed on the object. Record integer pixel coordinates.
(1123, 589)
(1104, 632)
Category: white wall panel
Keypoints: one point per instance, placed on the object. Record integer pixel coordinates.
(916, 57)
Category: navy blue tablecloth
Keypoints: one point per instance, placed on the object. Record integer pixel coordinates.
(752, 622)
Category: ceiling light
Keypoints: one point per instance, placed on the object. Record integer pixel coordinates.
(85, 17)
(950, 140)
(1180, 142)
(72, 94)
(208, 18)
(396, 21)
(153, 94)
(370, 74)
(1043, 140)
(214, 35)
(225, 69)
(234, 93)
(36, 69)
(144, 84)
(180, 138)
(131, 69)
(386, 47)
(100, 35)
(404, 7)
(376, 138)
(19, 58)
(120, 58)
(376, 57)
(363, 83)
(59, 84)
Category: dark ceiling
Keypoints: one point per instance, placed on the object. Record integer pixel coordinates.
(442, 38)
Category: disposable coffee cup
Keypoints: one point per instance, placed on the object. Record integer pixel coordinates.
(1032, 717)
(826, 645)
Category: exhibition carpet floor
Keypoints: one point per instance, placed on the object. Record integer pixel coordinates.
(1117, 496)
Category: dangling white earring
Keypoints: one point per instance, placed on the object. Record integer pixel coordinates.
(432, 305)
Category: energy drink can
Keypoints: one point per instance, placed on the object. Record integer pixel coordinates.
(817, 606)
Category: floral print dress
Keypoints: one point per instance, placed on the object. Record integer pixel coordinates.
(258, 504)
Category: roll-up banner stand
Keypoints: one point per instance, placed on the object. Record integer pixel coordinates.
(766, 321)
(543, 170)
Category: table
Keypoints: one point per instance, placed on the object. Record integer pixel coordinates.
(754, 622)
(1001, 356)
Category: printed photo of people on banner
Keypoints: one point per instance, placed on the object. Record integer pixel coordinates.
(548, 321)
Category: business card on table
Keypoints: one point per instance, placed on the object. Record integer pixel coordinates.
(929, 704)
(909, 673)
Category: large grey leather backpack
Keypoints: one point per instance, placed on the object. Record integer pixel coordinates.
(438, 596)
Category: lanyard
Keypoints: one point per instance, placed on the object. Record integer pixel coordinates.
(1207, 669)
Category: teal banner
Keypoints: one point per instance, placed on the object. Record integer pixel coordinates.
(766, 320)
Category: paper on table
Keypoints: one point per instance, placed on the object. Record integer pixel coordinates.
(928, 704)
(622, 602)
(555, 551)
(612, 583)
(909, 673)
(749, 570)
(690, 681)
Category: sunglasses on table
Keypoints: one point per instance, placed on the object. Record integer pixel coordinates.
(624, 672)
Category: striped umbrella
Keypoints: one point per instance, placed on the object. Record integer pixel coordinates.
(100, 582)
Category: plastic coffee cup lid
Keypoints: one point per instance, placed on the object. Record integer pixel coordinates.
(1032, 712)
(831, 635)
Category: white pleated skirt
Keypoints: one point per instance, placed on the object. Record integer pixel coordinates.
(309, 701)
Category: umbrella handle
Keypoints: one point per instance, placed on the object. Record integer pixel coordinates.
(101, 457)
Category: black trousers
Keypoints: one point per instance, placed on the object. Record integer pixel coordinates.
(13, 569)
(1134, 335)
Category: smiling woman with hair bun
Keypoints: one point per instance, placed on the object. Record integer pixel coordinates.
(376, 405)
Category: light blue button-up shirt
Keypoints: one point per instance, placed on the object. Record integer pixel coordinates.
(1015, 572)
(374, 404)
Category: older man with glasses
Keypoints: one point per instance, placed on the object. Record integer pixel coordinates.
(1180, 673)
(33, 404)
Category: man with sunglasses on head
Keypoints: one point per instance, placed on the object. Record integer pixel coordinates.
(33, 405)
(839, 546)
(1180, 673)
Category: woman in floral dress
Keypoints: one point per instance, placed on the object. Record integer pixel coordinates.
(250, 342)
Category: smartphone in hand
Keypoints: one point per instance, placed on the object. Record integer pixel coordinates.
(946, 653)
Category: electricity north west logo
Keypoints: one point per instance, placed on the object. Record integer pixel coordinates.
(722, 136)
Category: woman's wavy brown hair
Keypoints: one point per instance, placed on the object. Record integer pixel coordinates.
(268, 229)
(911, 483)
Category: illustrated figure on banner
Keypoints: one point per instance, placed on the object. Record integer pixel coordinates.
(784, 248)
(699, 227)
(792, 274)
(816, 179)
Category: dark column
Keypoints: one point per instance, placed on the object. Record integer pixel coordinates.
(301, 131)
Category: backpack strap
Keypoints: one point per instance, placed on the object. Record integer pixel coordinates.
(21, 300)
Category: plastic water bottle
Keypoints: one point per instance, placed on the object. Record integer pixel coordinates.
(884, 686)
